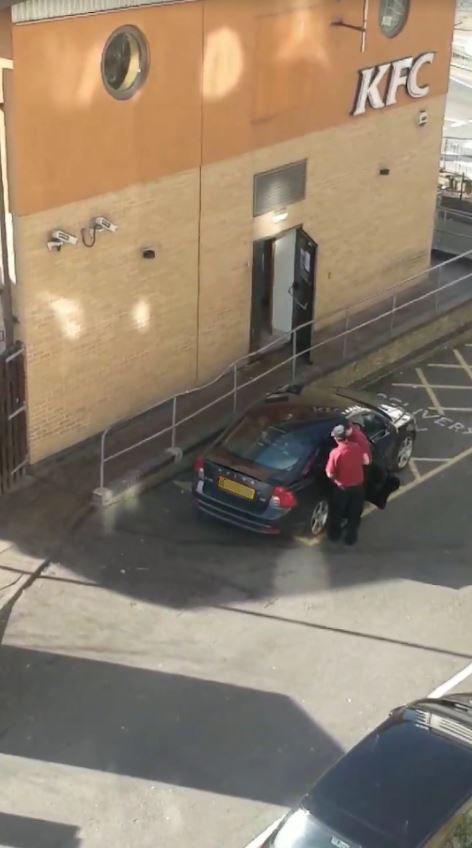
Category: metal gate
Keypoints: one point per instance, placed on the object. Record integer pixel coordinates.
(13, 440)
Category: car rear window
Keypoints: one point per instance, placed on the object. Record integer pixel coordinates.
(259, 440)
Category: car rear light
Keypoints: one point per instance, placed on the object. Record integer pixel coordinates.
(199, 467)
(283, 498)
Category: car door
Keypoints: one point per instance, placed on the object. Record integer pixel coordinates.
(380, 433)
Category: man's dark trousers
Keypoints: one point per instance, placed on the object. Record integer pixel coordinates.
(346, 504)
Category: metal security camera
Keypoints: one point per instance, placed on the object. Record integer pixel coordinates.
(55, 245)
(101, 223)
(63, 237)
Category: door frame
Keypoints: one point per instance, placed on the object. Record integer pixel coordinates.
(307, 290)
(258, 252)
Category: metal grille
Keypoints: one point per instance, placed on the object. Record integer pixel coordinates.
(38, 10)
(278, 188)
(13, 444)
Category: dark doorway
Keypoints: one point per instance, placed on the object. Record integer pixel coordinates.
(283, 288)
(304, 289)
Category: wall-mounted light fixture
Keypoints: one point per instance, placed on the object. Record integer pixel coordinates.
(89, 234)
(422, 118)
(279, 216)
(59, 238)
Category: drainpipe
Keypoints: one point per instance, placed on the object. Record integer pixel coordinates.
(6, 284)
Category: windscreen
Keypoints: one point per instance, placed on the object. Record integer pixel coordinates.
(259, 440)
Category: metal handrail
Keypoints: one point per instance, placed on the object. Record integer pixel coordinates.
(292, 359)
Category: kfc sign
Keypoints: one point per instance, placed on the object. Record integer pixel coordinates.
(404, 73)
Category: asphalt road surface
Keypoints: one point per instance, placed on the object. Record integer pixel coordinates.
(176, 682)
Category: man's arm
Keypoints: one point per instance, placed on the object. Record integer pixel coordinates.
(331, 466)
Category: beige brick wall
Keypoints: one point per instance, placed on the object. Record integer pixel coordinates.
(372, 231)
(107, 331)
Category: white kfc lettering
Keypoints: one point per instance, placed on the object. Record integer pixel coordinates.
(369, 88)
(398, 78)
(412, 86)
(403, 73)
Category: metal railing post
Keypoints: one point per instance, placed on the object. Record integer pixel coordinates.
(294, 355)
(102, 459)
(392, 316)
(346, 337)
(235, 388)
(174, 420)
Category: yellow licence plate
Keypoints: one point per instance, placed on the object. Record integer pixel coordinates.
(236, 488)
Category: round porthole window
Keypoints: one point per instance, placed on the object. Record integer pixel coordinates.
(125, 62)
(393, 15)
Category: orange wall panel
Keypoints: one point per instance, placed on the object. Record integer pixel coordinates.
(74, 140)
(294, 73)
(226, 77)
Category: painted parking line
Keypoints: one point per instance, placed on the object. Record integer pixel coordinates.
(444, 365)
(414, 469)
(453, 681)
(462, 362)
(454, 408)
(259, 840)
(431, 458)
(433, 386)
(431, 393)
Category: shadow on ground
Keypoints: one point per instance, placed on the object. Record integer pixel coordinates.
(158, 726)
(21, 832)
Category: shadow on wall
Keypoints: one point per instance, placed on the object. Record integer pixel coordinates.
(162, 727)
(22, 832)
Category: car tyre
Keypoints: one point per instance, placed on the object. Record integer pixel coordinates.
(404, 451)
(317, 517)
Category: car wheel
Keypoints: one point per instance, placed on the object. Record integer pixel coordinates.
(404, 452)
(318, 517)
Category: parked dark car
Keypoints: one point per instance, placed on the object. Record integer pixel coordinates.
(408, 784)
(266, 473)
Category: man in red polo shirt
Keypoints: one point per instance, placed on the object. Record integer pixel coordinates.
(345, 469)
(355, 434)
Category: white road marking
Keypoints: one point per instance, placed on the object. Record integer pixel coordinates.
(443, 365)
(452, 682)
(455, 408)
(430, 391)
(465, 365)
(430, 459)
(433, 386)
(414, 469)
(259, 840)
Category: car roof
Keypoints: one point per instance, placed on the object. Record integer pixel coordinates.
(401, 783)
(310, 403)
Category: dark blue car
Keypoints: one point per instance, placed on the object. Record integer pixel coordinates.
(406, 785)
(266, 473)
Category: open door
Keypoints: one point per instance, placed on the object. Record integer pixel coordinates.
(303, 289)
